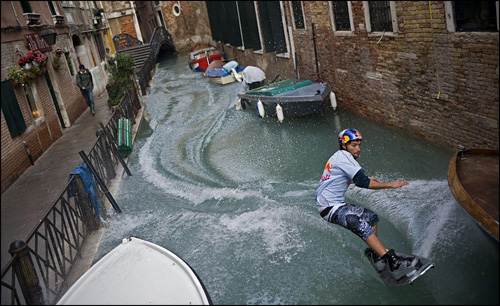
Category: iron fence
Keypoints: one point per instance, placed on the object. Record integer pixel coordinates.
(41, 263)
(160, 38)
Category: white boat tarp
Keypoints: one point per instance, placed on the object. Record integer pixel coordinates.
(252, 74)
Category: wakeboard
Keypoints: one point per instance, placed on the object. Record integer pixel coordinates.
(407, 277)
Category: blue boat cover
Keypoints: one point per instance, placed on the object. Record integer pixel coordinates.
(88, 183)
(221, 72)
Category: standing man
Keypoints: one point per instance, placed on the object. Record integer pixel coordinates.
(341, 170)
(108, 55)
(86, 84)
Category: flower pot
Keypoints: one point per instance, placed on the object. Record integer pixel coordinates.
(27, 66)
(15, 82)
(58, 55)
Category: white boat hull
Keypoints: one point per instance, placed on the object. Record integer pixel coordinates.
(138, 272)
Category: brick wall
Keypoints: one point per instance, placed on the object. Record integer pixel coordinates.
(190, 27)
(42, 133)
(128, 28)
(397, 80)
(71, 95)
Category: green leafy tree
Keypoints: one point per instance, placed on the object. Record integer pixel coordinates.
(122, 77)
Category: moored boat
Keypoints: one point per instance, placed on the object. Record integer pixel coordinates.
(226, 74)
(473, 180)
(221, 76)
(138, 272)
(200, 59)
(288, 98)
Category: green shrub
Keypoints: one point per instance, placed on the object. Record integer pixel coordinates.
(122, 77)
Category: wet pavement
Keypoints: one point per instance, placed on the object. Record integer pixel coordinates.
(26, 201)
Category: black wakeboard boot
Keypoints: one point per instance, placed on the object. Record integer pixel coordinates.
(400, 266)
(375, 260)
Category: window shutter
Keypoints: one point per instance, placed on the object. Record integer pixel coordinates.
(276, 20)
(233, 23)
(249, 26)
(267, 32)
(11, 110)
(212, 7)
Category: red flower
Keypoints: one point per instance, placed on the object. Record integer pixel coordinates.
(23, 60)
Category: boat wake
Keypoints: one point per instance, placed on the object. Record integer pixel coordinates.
(422, 212)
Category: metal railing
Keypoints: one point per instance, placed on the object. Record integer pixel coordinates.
(159, 38)
(40, 264)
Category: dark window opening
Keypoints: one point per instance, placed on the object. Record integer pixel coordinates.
(341, 15)
(249, 27)
(272, 26)
(52, 8)
(234, 23)
(30, 98)
(298, 15)
(224, 23)
(26, 6)
(100, 46)
(380, 16)
(478, 16)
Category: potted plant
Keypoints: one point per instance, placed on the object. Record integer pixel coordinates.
(37, 57)
(56, 62)
(17, 76)
(35, 70)
(59, 51)
(24, 62)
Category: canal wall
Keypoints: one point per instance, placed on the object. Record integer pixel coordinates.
(423, 76)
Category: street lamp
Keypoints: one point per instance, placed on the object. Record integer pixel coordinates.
(49, 37)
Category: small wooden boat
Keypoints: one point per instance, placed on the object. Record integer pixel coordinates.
(199, 59)
(221, 76)
(473, 180)
(138, 272)
(289, 98)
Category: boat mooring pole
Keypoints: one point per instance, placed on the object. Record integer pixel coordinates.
(315, 51)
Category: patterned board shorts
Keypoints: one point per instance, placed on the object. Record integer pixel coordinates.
(357, 219)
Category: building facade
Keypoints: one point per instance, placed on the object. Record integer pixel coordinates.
(36, 112)
(429, 69)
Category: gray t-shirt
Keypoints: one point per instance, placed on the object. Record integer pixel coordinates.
(337, 175)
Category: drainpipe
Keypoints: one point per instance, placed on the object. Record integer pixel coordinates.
(15, 13)
(28, 152)
(294, 54)
(315, 52)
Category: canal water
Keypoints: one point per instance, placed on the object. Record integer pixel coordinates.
(233, 195)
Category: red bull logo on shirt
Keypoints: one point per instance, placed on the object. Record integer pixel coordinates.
(328, 167)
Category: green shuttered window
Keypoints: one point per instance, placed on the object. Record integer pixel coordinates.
(11, 110)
